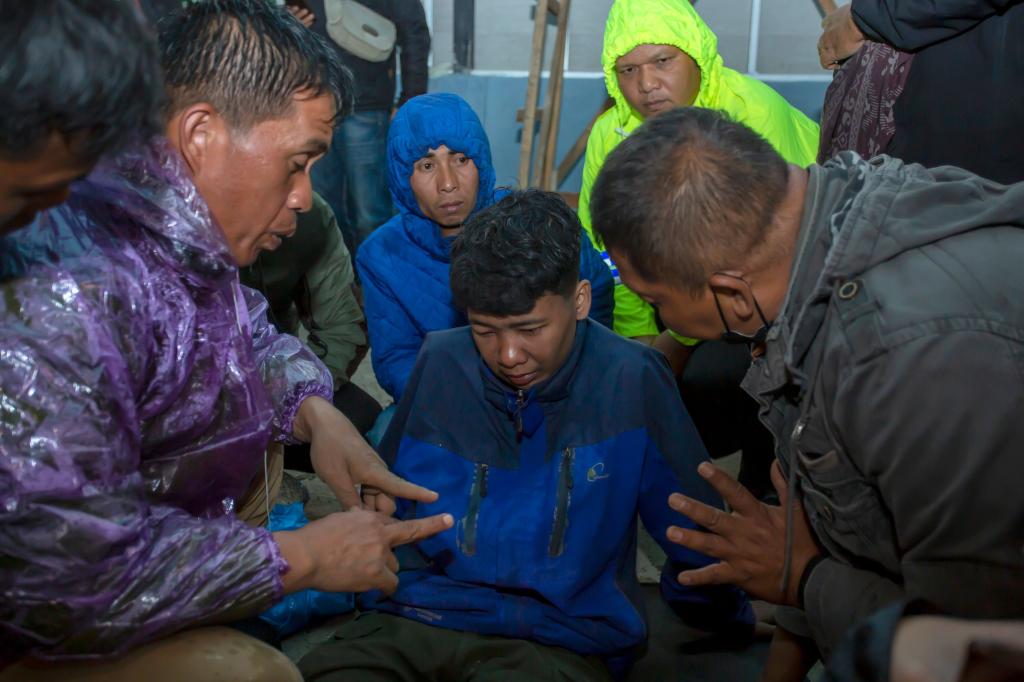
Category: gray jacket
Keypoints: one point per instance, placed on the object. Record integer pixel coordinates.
(893, 382)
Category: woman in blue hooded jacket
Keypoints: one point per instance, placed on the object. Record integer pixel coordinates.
(439, 173)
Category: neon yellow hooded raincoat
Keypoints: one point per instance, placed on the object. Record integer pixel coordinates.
(743, 98)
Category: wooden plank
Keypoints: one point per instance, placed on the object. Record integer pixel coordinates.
(521, 114)
(580, 145)
(556, 86)
(551, 95)
(555, 7)
(532, 91)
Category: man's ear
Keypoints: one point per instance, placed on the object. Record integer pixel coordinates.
(582, 299)
(194, 131)
(734, 295)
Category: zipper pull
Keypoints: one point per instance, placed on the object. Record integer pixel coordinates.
(483, 480)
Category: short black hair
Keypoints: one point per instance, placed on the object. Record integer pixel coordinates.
(688, 193)
(248, 58)
(509, 255)
(87, 70)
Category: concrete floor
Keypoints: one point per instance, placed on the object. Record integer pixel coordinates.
(675, 652)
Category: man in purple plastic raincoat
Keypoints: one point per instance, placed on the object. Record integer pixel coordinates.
(140, 384)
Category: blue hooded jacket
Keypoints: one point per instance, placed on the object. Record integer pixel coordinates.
(403, 265)
(545, 485)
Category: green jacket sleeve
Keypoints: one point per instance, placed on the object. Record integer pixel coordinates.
(332, 315)
(633, 316)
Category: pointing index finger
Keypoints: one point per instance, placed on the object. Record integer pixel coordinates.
(396, 486)
(414, 530)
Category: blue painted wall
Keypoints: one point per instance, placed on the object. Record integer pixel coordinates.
(496, 100)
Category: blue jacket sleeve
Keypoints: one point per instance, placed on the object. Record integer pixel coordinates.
(602, 287)
(394, 339)
(674, 449)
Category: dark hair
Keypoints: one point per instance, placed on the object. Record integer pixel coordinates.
(512, 253)
(690, 192)
(247, 58)
(84, 69)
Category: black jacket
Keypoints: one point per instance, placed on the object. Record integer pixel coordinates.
(375, 81)
(892, 383)
(963, 104)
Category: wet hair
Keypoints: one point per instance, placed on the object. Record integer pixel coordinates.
(509, 255)
(247, 58)
(689, 193)
(87, 70)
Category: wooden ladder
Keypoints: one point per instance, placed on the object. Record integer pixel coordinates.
(544, 175)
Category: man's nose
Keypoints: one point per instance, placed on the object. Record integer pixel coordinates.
(648, 80)
(301, 196)
(446, 181)
(511, 354)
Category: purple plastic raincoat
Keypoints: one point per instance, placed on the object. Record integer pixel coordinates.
(139, 387)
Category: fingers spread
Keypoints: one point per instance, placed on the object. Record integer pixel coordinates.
(705, 543)
(702, 514)
(404, 532)
(737, 496)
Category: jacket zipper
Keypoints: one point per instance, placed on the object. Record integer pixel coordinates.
(565, 483)
(469, 524)
(520, 401)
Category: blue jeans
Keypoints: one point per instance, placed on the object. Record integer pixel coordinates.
(352, 178)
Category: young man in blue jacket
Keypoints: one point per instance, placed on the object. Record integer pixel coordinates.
(440, 173)
(545, 435)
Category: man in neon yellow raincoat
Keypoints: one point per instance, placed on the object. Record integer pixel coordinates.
(659, 54)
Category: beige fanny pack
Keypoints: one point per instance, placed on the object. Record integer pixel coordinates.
(359, 30)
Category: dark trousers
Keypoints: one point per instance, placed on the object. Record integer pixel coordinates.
(353, 402)
(351, 176)
(379, 647)
(725, 416)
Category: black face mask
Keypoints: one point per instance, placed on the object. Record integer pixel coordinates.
(732, 336)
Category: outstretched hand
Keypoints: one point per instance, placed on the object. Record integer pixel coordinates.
(749, 542)
(343, 459)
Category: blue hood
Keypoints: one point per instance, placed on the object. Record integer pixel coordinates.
(403, 265)
(427, 122)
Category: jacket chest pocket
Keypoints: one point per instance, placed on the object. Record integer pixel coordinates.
(843, 507)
